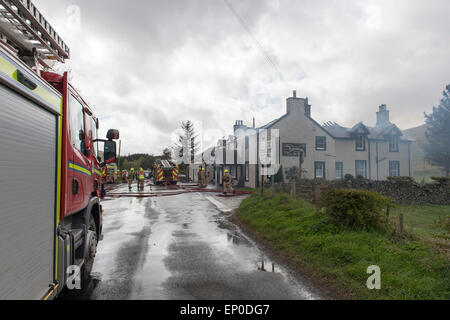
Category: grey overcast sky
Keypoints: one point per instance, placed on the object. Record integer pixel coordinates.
(146, 65)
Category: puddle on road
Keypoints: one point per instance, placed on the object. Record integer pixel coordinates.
(152, 270)
(238, 239)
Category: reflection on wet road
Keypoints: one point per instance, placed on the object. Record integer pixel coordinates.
(181, 247)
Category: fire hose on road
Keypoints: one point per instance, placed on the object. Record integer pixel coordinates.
(184, 189)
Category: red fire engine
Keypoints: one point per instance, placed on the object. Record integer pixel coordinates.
(165, 172)
(50, 190)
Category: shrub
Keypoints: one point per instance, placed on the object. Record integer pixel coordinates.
(357, 208)
(348, 177)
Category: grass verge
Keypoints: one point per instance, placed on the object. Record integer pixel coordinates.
(410, 268)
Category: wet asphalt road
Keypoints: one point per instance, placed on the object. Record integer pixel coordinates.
(181, 247)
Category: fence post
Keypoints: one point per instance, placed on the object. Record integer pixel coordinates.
(400, 226)
(262, 185)
(273, 187)
(317, 195)
(293, 191)
(388, 211)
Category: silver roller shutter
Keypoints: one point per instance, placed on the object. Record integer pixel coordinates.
(28, 146)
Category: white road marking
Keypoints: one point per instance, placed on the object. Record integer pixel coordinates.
(219, 205)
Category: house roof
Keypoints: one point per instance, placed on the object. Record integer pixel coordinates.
(374, 133)
(271, 123)
(337, 131)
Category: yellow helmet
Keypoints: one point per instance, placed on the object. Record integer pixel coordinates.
(140, 169)
(203, 169)
(132, 169)
(226, 171)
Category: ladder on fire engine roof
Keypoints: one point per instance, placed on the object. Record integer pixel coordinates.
(166, 164)
(28, 32)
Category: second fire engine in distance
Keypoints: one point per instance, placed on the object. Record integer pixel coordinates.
(165, 172)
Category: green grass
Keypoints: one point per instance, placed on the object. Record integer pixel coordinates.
(410, 269)
(430, 223)
(423, 220)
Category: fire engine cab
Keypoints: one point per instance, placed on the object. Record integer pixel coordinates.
(50, 173)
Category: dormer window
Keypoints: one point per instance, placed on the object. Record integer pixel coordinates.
(393, 144)
(360, 142)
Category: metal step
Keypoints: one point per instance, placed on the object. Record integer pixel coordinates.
(78, 237)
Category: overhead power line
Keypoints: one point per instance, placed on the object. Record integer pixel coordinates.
(260, 46)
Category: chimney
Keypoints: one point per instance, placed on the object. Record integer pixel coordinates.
(307, 108)
(298, 105)
(239, 125)
(383, 116)
(253, 122)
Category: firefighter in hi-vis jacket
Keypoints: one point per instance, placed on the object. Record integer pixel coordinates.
(227, 182)
(203, 178)
(104, 174)
(130, 178)
(141, 179)
(199, 176)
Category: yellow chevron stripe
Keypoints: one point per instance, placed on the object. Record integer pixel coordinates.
(79, 168)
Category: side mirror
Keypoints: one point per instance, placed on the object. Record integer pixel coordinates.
(109, 152)
(112, 134)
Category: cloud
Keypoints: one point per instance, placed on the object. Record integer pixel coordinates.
(149, 65)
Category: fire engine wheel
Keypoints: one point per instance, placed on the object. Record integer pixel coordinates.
(91, 248)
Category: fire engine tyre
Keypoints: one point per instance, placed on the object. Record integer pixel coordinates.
(91, 247)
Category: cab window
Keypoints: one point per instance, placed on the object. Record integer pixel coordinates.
(76, 124)
(91, 130)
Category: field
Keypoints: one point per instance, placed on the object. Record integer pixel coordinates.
(411, 268)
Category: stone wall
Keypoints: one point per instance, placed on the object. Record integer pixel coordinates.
(403, 190)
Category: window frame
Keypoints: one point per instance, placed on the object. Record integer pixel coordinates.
(341, 170)
(363, 148)
(324, 148)
(365, 168)
(93, 123)
(394, 140)
(316, 163)
(83, 115)
(233, 172)
(391, 163)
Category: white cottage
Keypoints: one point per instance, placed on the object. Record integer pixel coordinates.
(328, 151)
